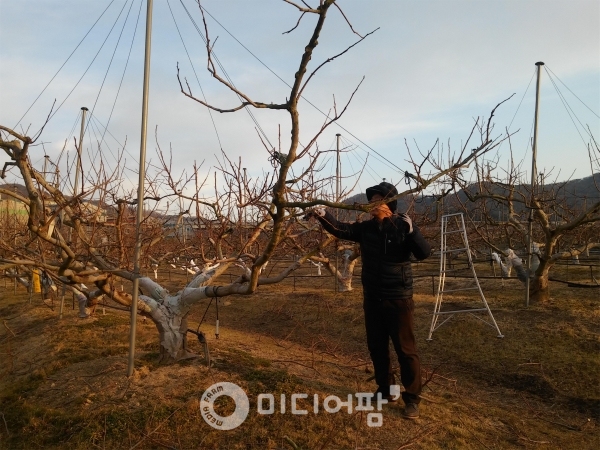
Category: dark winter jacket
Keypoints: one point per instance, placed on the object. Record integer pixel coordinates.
(385, 252)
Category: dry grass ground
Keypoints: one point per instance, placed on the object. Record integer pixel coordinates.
(63, 382)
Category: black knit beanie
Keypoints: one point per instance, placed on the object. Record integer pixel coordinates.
(386, 190)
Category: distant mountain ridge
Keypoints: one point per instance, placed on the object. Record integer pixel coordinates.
(18, 188)
(576, 193)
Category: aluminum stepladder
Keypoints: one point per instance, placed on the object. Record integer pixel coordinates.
(459, 221)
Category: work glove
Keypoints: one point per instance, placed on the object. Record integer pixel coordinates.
(317, 212)
(404, 217)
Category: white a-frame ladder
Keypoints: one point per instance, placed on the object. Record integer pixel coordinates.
(451, 224)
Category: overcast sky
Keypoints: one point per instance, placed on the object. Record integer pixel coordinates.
(430, 70)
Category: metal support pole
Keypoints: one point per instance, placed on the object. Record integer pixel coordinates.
(141, 185)
(15, 233)
(79, 167)
(62, 303)
(533, 179)
(245, 201)
(338, 170)
(46, 157)
(337, 199)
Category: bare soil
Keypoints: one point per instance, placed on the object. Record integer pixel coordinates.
(63, 382)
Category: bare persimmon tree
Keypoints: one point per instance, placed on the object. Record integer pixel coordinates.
(241, 227)
(500, 202)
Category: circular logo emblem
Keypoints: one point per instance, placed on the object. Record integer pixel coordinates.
(207, 407)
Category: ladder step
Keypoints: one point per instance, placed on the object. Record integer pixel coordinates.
(460, 289)
(454, 231)
(455, 250)
(455, 270)
(459, 311)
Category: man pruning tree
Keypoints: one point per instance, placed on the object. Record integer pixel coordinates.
(386, 243)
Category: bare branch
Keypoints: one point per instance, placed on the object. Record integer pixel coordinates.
(347, 21)
(295, 26)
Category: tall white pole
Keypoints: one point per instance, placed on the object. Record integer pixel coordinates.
(46, 157)
(337, 199)
(141, 185)
(533, 180)
(338, 167)
(78, 166)
(15, 231)
(245, 200)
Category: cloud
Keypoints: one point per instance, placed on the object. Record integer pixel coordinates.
(429, 71)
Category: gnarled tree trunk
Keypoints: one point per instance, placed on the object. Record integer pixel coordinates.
(169, 314)
(539, 290)
(173, 339)
(344, 277)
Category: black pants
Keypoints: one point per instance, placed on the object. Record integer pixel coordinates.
(385, 319)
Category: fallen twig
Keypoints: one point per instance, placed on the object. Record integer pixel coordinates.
(292, 443)
(523, 438)
(422, 434)
(153, 431)
(472, 433)
(569, 427)
(5, 425)
(464, 424)
(536, 415)
(11, 331)
(296, 362)
(430, 400)
(112, 369)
